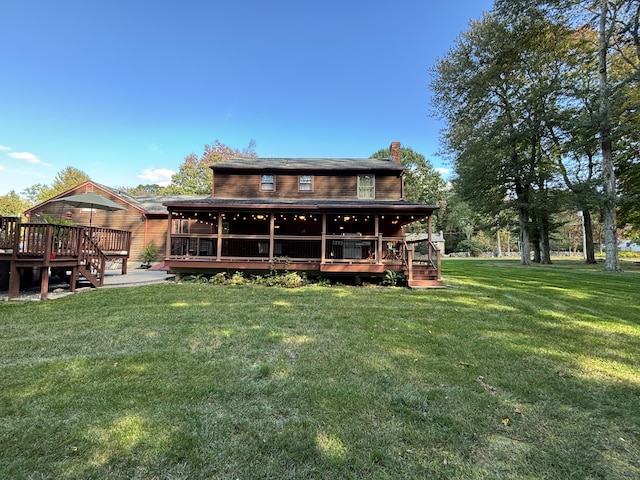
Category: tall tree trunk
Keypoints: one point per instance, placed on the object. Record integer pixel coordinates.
(525, 243)
(535, 246)
(523, 220)
(587, 228)
(545, 249)
(608, 172)
(535, 238)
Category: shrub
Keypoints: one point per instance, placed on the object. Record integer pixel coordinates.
(474, 248)
(237, 279)
(219, 279)
(392, 278)
(149, 254)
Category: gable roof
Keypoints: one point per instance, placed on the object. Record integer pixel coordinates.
(146, 204)
(308, 164)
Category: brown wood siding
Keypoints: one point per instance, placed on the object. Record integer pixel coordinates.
(130, 219)
(156, 234)
(388, 187)
(342, 187)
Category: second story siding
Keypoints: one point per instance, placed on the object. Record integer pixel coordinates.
(249, 185)
(336, 179)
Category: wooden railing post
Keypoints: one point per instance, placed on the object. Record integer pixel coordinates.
(410, 262)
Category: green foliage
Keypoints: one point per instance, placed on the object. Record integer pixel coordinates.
(195, 175)
(218, 279)
(422, 183)
(474, 248)
(237, 279)
(287, 280)
(12, 205)
(283, 260)
(391, 278)
(149, 254)
(144, 189)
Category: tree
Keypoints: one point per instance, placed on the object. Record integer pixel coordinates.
(497, 92)
(422, 184)
(142, 189)
(617, 23)
(195, 175)
(64, 180)
(574, 143)
(12, 205)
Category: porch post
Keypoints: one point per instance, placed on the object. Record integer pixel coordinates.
(429, 236)
(376, 231)
(219, 241)
(167, 249)
(272, 230)
(323, 246)
(44, 282)
(14, 280)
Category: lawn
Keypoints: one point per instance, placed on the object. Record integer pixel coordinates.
(510, 372)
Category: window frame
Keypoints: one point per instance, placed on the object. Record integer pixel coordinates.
(309, 184)
(370, 188)
(263, 182)
(181, 226)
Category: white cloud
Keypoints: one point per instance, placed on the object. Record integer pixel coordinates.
(4, 148)
(443, 171)
(26, 156)
(161, 176)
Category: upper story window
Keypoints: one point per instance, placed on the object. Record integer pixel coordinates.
(268, 183)
(366, 186)
(305, 183)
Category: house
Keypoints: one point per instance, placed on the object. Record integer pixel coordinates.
(144, 216)
(629, 246)
(325, 216)
(437, 239)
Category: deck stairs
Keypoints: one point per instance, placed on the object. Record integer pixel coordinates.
(425, 275)
(92, 263)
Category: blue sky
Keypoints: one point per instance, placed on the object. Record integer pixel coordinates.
(124, 90)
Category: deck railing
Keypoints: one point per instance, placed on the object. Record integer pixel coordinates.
(8, 227)
(32, 240)
(427, 253)
(337, 248)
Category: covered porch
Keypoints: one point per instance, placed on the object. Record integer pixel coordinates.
(322, 239)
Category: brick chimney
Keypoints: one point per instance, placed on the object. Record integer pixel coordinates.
(394, 152)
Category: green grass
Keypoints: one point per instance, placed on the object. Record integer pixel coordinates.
(223, 382)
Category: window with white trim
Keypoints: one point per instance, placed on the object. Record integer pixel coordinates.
(268, 183)
(305, 183)
(181, 225)
(367, 186)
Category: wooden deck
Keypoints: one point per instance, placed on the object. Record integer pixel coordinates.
(325, 255)
(31, 250)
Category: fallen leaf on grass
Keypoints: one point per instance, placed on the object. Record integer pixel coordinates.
(505, 421)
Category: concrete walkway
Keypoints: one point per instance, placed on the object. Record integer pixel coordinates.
(138, 276)
(112, 279)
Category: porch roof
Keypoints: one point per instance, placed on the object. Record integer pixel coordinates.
(317, 206)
